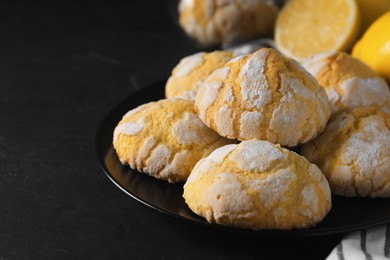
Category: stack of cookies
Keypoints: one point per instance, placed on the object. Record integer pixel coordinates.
(228, 122)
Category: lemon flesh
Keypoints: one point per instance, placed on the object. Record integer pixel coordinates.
(306, 27)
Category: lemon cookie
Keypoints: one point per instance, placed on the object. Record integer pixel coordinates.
(264, 96)
(258, 185)
(192, 71)
(354, 152)
(164, 139)
(222, 21)
(348, 81)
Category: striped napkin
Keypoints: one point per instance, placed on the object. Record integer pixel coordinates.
(370, 244)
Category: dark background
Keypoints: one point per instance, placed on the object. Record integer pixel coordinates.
(62, 69)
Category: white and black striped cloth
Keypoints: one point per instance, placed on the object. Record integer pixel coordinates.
(367, 244)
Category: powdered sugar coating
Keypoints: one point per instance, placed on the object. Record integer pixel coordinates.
(228, 95)
(237, 59)
(264, 96)
(224, 121)
(159, 158)
(145, 149)
(334, 98)
(219, 155)
(299, 121)
(192, 70)
(255, 89)
(348, 81)
(188, 64)
(164, 139)
(365, 92)
(204, 165)
(250, 124)
(310, 200)
(255, 157)
(185, 4)
(175, 167)
(257, 185)
(226, 195)
(191, 130)
(130, 128)
(209, 90)
(317, 62)
(360, 164)
(223, 21)
(276, 186)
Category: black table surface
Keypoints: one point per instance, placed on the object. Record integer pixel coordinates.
(62, 68)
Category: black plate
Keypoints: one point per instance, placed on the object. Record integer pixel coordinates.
(347, 214)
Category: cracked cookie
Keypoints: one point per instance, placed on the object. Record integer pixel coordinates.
(354, 152)
(223, 21)
(258, 185)
(265, 96)
(348, 81)
(192, 70)
(164, 139)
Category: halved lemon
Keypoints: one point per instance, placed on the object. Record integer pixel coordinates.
(306, 27)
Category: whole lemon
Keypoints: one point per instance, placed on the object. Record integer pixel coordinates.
(374, 47)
